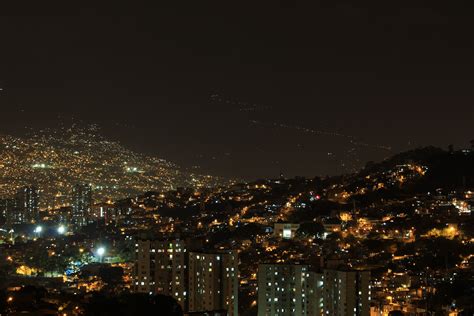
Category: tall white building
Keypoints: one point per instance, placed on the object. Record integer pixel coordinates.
(27, 200)
(346, 293)
(213, 282)
(8, 209)
(288, 289)
(199, 281)
(81, 204)
(161, 268)
(315, 294)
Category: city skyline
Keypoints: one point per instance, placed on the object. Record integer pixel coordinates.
(219, 158)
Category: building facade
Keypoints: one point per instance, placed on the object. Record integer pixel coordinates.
(8, 207)
(199, 281)
(288, 289)
(285, 230)
(81, 204)
(104, 211)
(292, 289)
(27, 206)
(213, 282)
(161, 268)
(346, 293)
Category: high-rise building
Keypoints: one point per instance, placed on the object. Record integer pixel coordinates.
(213, 282)
(199, 281)
(27, 200)
(288, 289)
(8, 207)
(81, 204)
(346, 292)
(315, 294)
(161, 268)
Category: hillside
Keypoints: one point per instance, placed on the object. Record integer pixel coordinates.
(448, 170)
(54, 160)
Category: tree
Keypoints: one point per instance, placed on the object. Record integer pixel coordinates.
(40, 259)
(113, 276)
(132, 304)
(3, 302)
(311, 229)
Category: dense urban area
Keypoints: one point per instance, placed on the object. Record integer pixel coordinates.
(89, 228)
(56, 159)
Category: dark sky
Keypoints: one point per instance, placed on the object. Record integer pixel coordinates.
(364, 75)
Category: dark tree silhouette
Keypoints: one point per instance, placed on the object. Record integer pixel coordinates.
(133, 304)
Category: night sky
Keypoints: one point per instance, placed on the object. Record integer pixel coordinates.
(245, 90)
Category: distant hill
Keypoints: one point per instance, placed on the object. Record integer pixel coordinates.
(56, 159)
(446, 170)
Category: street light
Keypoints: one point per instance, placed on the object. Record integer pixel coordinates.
(38, 231)
(11, 236)
(61, 229)
(100, 252)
